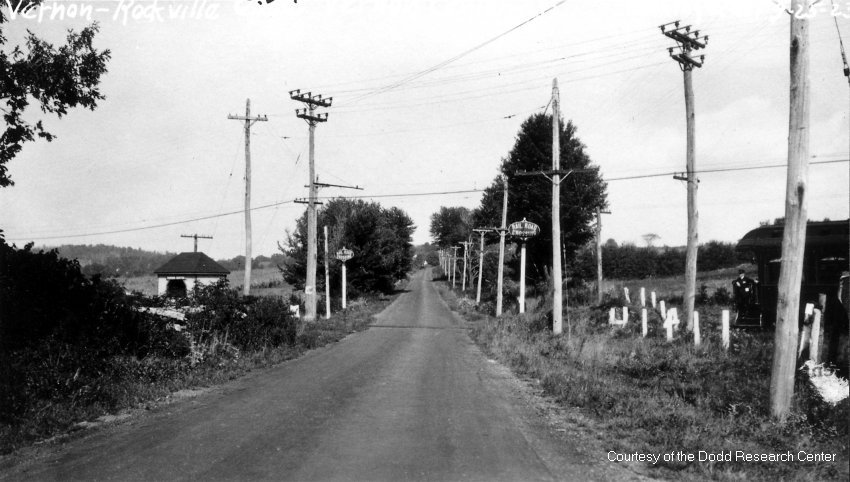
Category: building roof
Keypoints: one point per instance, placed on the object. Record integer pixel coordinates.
(192, 264)
(822, 234)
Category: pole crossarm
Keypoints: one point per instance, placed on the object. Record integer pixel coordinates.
(196, 237)
(686, 41)
(553, 172)
(313, 100)
(324, 184)
(250, 119)
(305, 201)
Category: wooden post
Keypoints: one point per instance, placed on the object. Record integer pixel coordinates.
(557, 278)
(626, 294)
(794, 234)
(662, 309)
(822, 341)
(644, 329)
(816, 343)
(652, 297)
(642, 297)
(502, 233)
(599, 256)
(724, 336)
(344, 281)
(612, 316)
(327, 278)
(625, 314)
(522, 279)
(480, 267)
(697, 335)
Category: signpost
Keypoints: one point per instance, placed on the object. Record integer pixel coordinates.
(523, 230)
(344, 255)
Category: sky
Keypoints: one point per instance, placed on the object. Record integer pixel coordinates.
(159, 158)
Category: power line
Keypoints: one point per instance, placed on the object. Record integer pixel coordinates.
(444, 63)
(396, 195)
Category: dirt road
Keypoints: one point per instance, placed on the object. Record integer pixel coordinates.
(412, 398)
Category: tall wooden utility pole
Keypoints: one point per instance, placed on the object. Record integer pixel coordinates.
(502, 232)
(327, 279)
(309, 115)
(687, 41)
(196, 236)
(466, 245)
(599, 213)
(557, 279)
(249, 121)
(481, 232)
(454, 265)
(794, 233)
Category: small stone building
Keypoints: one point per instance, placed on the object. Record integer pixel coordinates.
(180, 275)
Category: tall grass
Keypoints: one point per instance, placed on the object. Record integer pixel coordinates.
(652, 396)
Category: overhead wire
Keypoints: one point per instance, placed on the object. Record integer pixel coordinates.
(393, 195)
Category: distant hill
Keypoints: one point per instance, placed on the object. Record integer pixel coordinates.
(109, 260)
(115, 261)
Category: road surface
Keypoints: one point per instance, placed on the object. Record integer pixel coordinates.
(412, 398)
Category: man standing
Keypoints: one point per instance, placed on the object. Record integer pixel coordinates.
(744, 289)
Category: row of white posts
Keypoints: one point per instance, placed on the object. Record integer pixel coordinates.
(670, 317)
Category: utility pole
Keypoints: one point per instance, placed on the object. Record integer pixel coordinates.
(794, 233)
(466, 245)
(503, 230)
(481, 232)
(454, 265)
(249, 121)
(309, 115)
(327, 279)
(196, 236)
(557, 279)
(599, 213)
(688, 41)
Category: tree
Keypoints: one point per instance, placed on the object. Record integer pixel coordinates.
(530, 197)
(56, 78)
(650, 238)
(379, 237)
(451, 225)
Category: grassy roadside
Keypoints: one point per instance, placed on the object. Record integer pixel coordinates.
(654, 397)
(131, 383)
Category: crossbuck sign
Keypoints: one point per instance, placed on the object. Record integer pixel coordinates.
(344, 254)
(523, 229)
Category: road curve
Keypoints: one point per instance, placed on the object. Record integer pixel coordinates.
(412, 398)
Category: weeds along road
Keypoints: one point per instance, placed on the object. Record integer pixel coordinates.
(412, 398)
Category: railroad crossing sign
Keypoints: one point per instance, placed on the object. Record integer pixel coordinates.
(344, 254)
(523, 229)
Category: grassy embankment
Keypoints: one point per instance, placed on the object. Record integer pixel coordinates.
(651, 396)
(126, 382)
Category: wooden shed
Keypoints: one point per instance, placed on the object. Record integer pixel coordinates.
(180, 275)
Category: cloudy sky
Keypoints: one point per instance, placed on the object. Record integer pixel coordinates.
(161, 151)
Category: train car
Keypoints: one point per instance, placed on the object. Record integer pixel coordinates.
(826, 252)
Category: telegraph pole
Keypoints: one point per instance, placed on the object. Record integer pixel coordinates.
(454, 265)
(196, 236)
(309, 115)
(557, 279)
(466, 245)
(481, 232)
(249, 121)
(599, 213)
(327, 279)
(688, 41)
(502, 232)
(794, 233)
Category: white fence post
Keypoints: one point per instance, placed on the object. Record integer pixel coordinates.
(626, 293)
(662, 309)
(612, 317)
(652, 297)
(814, 344)
(643, 328)
(697, 337)
(671, 320)
(642, 297)
(725, 333)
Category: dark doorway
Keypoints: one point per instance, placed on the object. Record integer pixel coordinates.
(176, 288)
